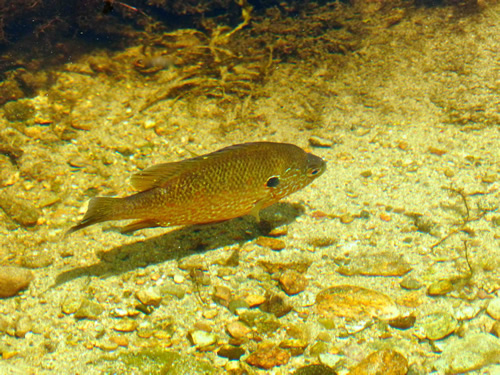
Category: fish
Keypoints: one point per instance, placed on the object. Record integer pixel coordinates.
(234, 181)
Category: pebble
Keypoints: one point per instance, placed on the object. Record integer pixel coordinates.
(495, 329)
(410, 283)
(440, 288)
(173, 290)
(222, 295)
(473, 352)
(466, 311)
(120, 340)
(264, 323)
(386, 361)
(493, 308)
(276, 305)
(316, 141)
(230, 352)
(125, 325)
(293, 282)
(315, 370)
(13, 279)
(268, 357)
(107, 345)
(148, 297)
(272, 243)
(238, 330)
(254, 300)
(355, 302)
(23, 326)
(202, 339)
(178, 278)
(20, 211)
(380, 264)
(435, 326)
(403, 322)
(296, 347)
(88, 310)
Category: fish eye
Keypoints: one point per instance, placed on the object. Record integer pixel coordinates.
(313, 172)
(273, 182)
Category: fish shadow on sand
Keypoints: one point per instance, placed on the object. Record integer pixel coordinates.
(182, 242)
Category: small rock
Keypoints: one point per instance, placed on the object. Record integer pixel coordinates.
(107, 345)
(272, 243)
(178, 278)
(238, 330)
(37, 259)
(202, 339)
(366, 174)
(472, 352)
(495, 329)
(236, 304)
(268, 357)
(316, 141)
(173, 290)
(255, 300)
(148, 297)
(276, 305)
(466, 311)
(13, 279)
(436, 151)
(410, 283)
(295, 346)
(231, 352)
(293, 282)
(315, 370)
(23, 326)
(89, 310)
(436, 326)
(380, 264)
(20, 211)
(440, 288)
(278, 232)
(403, 322)
(120, 340)
(125, 325)
(222, 295)
(493, 308)
(386, 361)
(264, 323)
(355, 302)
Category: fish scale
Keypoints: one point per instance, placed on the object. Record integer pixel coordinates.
(228, 183)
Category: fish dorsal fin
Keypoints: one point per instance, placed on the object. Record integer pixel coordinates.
(158, 175)
(155, 175)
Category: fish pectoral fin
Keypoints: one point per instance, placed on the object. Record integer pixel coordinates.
(255, 212)
(140, 224)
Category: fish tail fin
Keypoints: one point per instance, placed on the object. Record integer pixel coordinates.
(100, 209)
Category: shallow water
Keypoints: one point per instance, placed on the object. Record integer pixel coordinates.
(405, 220)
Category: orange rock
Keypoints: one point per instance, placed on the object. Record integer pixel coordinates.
(268, 357)
(13, 279)
(272, 243)
(386, 361)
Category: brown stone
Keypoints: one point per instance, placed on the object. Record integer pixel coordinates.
(386, 361)
(293, 282)
(355, 302)
(381, 264)
(238, 330)
(268, 357)
(13, 279)
(272, 243)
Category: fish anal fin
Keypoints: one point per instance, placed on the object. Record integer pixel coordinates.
(140, 224)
